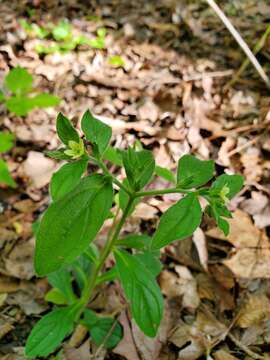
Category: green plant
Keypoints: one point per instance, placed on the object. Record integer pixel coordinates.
(6, 143)
(62, 37)
(65, 250)
(19, 83)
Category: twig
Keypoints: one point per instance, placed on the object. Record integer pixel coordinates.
(240, 40)
(259, 45)
(244, 348)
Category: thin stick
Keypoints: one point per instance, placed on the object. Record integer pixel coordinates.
(240, 41)
(259, 45)
(244, 348)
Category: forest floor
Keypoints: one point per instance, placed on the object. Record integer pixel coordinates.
(168, 86)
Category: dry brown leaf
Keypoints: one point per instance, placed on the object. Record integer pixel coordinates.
(80, 353)
(182, 285)
(20, 261)
(243, 233)
(38, 169)
(255, 310)
(126, 346)
(199, 240)
(223, 355)
(250, 263)
(145, 212)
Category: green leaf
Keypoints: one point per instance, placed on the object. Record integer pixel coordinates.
(49, 332)
(192, 172)
(55, 296)
(96, 131)
(5, 177)
(218, 211)
(61, 279)
(116, 61)
(123, 198)
(61, 31)
(19, 81)
(58, 154)
(142, 290)
(65, 130)
(139, 167)
(109, 275)
(113, 155)
(234, 183)
(2, 96)
(139, 242)
(45, 100)
(19, 105)
(6, 141)
(151, 261)
(178, 222)
(66, 178)
(104, 331)
(165, 174)
(72, 222)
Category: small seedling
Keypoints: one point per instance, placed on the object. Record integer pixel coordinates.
(116, 61)
(19, 83)
(81, 203)
(6, 143)
(61, 37)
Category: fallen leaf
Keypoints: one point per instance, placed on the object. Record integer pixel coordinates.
(38, 169)
(255, 310)
(199, 240)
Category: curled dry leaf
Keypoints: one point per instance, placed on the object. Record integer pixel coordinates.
(182, 285)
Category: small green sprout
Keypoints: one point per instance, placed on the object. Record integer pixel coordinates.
(76, 150)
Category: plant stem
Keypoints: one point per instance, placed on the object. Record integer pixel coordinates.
(107, 172)
(105, 253)
(160, 192)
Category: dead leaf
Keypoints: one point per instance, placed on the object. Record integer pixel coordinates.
(182, 285)
(126, 347)
(148, 111)
(254, 311)
(38, 169)
(199, 240)
(223, 355)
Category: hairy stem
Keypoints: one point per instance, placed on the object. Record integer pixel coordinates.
(105, 253)
(107, 172)
(160, 192)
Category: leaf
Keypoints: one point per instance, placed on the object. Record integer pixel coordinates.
(218, 210)
(71, 223)
(139, 242)
(139, 167)
(142, 290)
(19, 105)
(114, 155)
(5, 177)
(49, 332)
(6, 141)
(45, 100)
(96, 131)
(165, 174)
(178, 222)
(61, 280)
(66, 178)
(123, 198)
(193, 172)
(66, 130)
(116, 61)
(234, 183)
(19, 81)
(56, 297)
(58, 154)
(61, 31)
(104, 331)
(151, 261)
